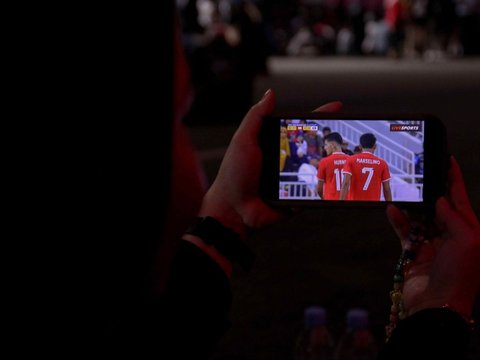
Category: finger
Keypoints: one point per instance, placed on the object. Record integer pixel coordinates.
(330, 107)
(458, 194)
(449, 220)
(399, 222)
(250, 126)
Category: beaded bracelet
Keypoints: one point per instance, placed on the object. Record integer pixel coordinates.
(397, 311)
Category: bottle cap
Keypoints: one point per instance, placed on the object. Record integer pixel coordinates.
(315, 316)
(357, 319)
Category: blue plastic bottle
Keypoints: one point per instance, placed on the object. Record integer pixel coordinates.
(357, 342)
(315, 341)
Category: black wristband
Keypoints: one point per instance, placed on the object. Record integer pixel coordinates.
(225, 240)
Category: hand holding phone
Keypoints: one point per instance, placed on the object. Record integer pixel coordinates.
(234, 197)
(446, 269)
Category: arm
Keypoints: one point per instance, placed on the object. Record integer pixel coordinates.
(345, 186)
(198, 295)
(387, 191)
(194, 307)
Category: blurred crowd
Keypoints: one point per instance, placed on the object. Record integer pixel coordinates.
(314, 27)
(227, 47)
(396, 28)
(228, 41)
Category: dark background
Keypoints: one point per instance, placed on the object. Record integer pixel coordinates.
(93, 181)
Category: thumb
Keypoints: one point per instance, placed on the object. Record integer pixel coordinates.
(265, 215)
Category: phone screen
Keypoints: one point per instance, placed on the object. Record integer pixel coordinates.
(351, 160)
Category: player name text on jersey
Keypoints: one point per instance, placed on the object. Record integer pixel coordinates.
(368, 161)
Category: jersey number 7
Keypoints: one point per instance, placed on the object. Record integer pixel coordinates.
(368, 170)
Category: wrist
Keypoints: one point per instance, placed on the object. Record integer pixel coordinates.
(223, 213)
(212, 252)
(225, 241)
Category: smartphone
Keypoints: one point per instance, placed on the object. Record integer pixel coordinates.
(338, 159)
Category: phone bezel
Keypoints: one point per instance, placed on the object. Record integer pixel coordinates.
(435, 160)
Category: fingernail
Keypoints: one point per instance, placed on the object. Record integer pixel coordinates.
(266, 94)
(453, 159)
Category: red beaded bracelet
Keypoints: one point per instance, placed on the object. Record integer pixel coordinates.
(397, 311)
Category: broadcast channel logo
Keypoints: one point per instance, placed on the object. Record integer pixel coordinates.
(400, 127)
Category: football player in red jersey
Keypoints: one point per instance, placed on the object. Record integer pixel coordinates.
(330, 168)
(366, 174)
